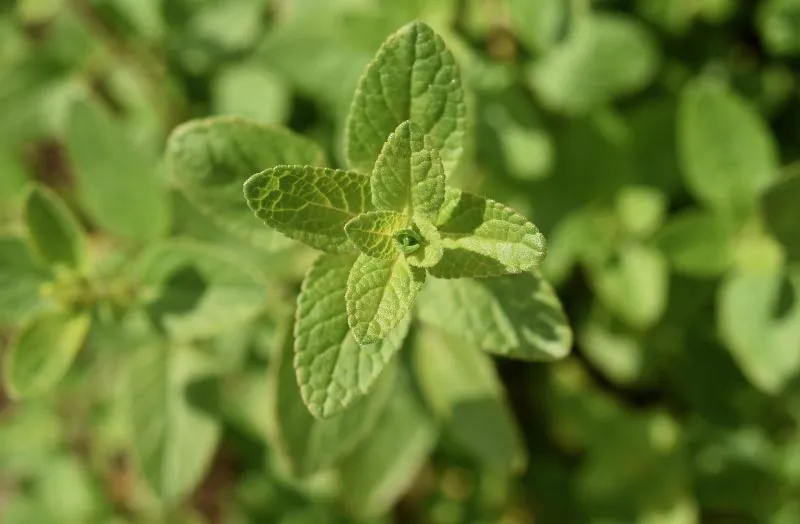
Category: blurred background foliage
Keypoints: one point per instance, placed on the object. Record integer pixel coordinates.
(655, 142)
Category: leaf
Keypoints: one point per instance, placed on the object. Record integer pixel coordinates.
(173, 442)
(780, 26)
(43, 352)
(333, 371)
(726, 150)
(309, 445)
(197, 291)
(309, 204)
(249, 90)
(762, 339)
(412, 77)
(697, 243)
(117, 181)
(54, 234)
(431, 249)
(461, 386)
(379, 295)
(604, 56)
(515, 316)
(483, 238)
(20, 281)
(408, 176)
(382, 469)
(538, 25)
(211, 159)
(374, 233)
(782, 214)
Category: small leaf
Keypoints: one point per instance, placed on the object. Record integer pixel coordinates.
(408, 176)
(412, 77)
(43, 352)
(333, 371)
(727, 151)
(538, 25)
(430, 250)
(782, 214)
(20, 281)
(309, 204)
(173, 441)
(374, 233)
(210, 159)
(483, 238)
(780, 26)
(117, 181)
(515, 316)
(54, 234)
(379, 295)
(697, 243)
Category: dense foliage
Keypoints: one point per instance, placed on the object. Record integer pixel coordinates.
(167, 356)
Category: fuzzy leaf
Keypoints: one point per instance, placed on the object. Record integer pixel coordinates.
(379, 295)
(54, 234)
(408, 175)
(431, 251)
(333, 371)
(210, 159)
(412, 77)
(374, 233)
(309, 204)
(483, 238)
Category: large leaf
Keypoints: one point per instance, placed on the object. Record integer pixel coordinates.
(43, 352)
(413, 77)
(333, 371)
(782, 214)
(727, 151)
(307, 444)
(20, 281)
(118, 182)
(408, 175)
(173, 442)
(309, 204)
(483, 238)
(211, 159)
(54, 234)
(461, 385)
(196, 291)
(374, 233)
(379, 295)
(516, 316)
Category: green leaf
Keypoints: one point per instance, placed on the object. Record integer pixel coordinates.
(54, 234)
(727, 151)
(118, 182)
(515, 316)
(697, 243)
(408, 176)
(604, 56)
(412, 77)
(431, 249)
(20, 281)
(762, 339)
(382, 469)
(249, 90)
(538, 25)
(780, 26)
(333, 371)
(374, 233)
(483, 238)
(460, 384)
(782, 214)
(197, 291)
(379, 295)
(307, 444)
(173, 441)
(43, 352)
(211, 159)
(309, 204)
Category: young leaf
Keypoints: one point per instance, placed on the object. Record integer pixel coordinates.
(117, 181)
(483, 238)
(374, 233)
(20, 279)
(306, 444)
(431, 250)
(727, 151)
(309, 204)
(379, 295)
(173, 441)
(210, 159)
(782, 214)
(413, 77)
(43, 352)
(54, 234)
(515, 316)
(408, 176)
(333, 371)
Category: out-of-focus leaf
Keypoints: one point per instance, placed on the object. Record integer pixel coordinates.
(540, 24)
(782, 214)
(20, 281)
(641, 209)
(252, 91)
(697, 243)
(54, 234)
(780, 26)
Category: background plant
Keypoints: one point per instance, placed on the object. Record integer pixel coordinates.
(147, 315)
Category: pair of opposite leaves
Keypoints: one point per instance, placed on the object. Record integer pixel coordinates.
(404, 222)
